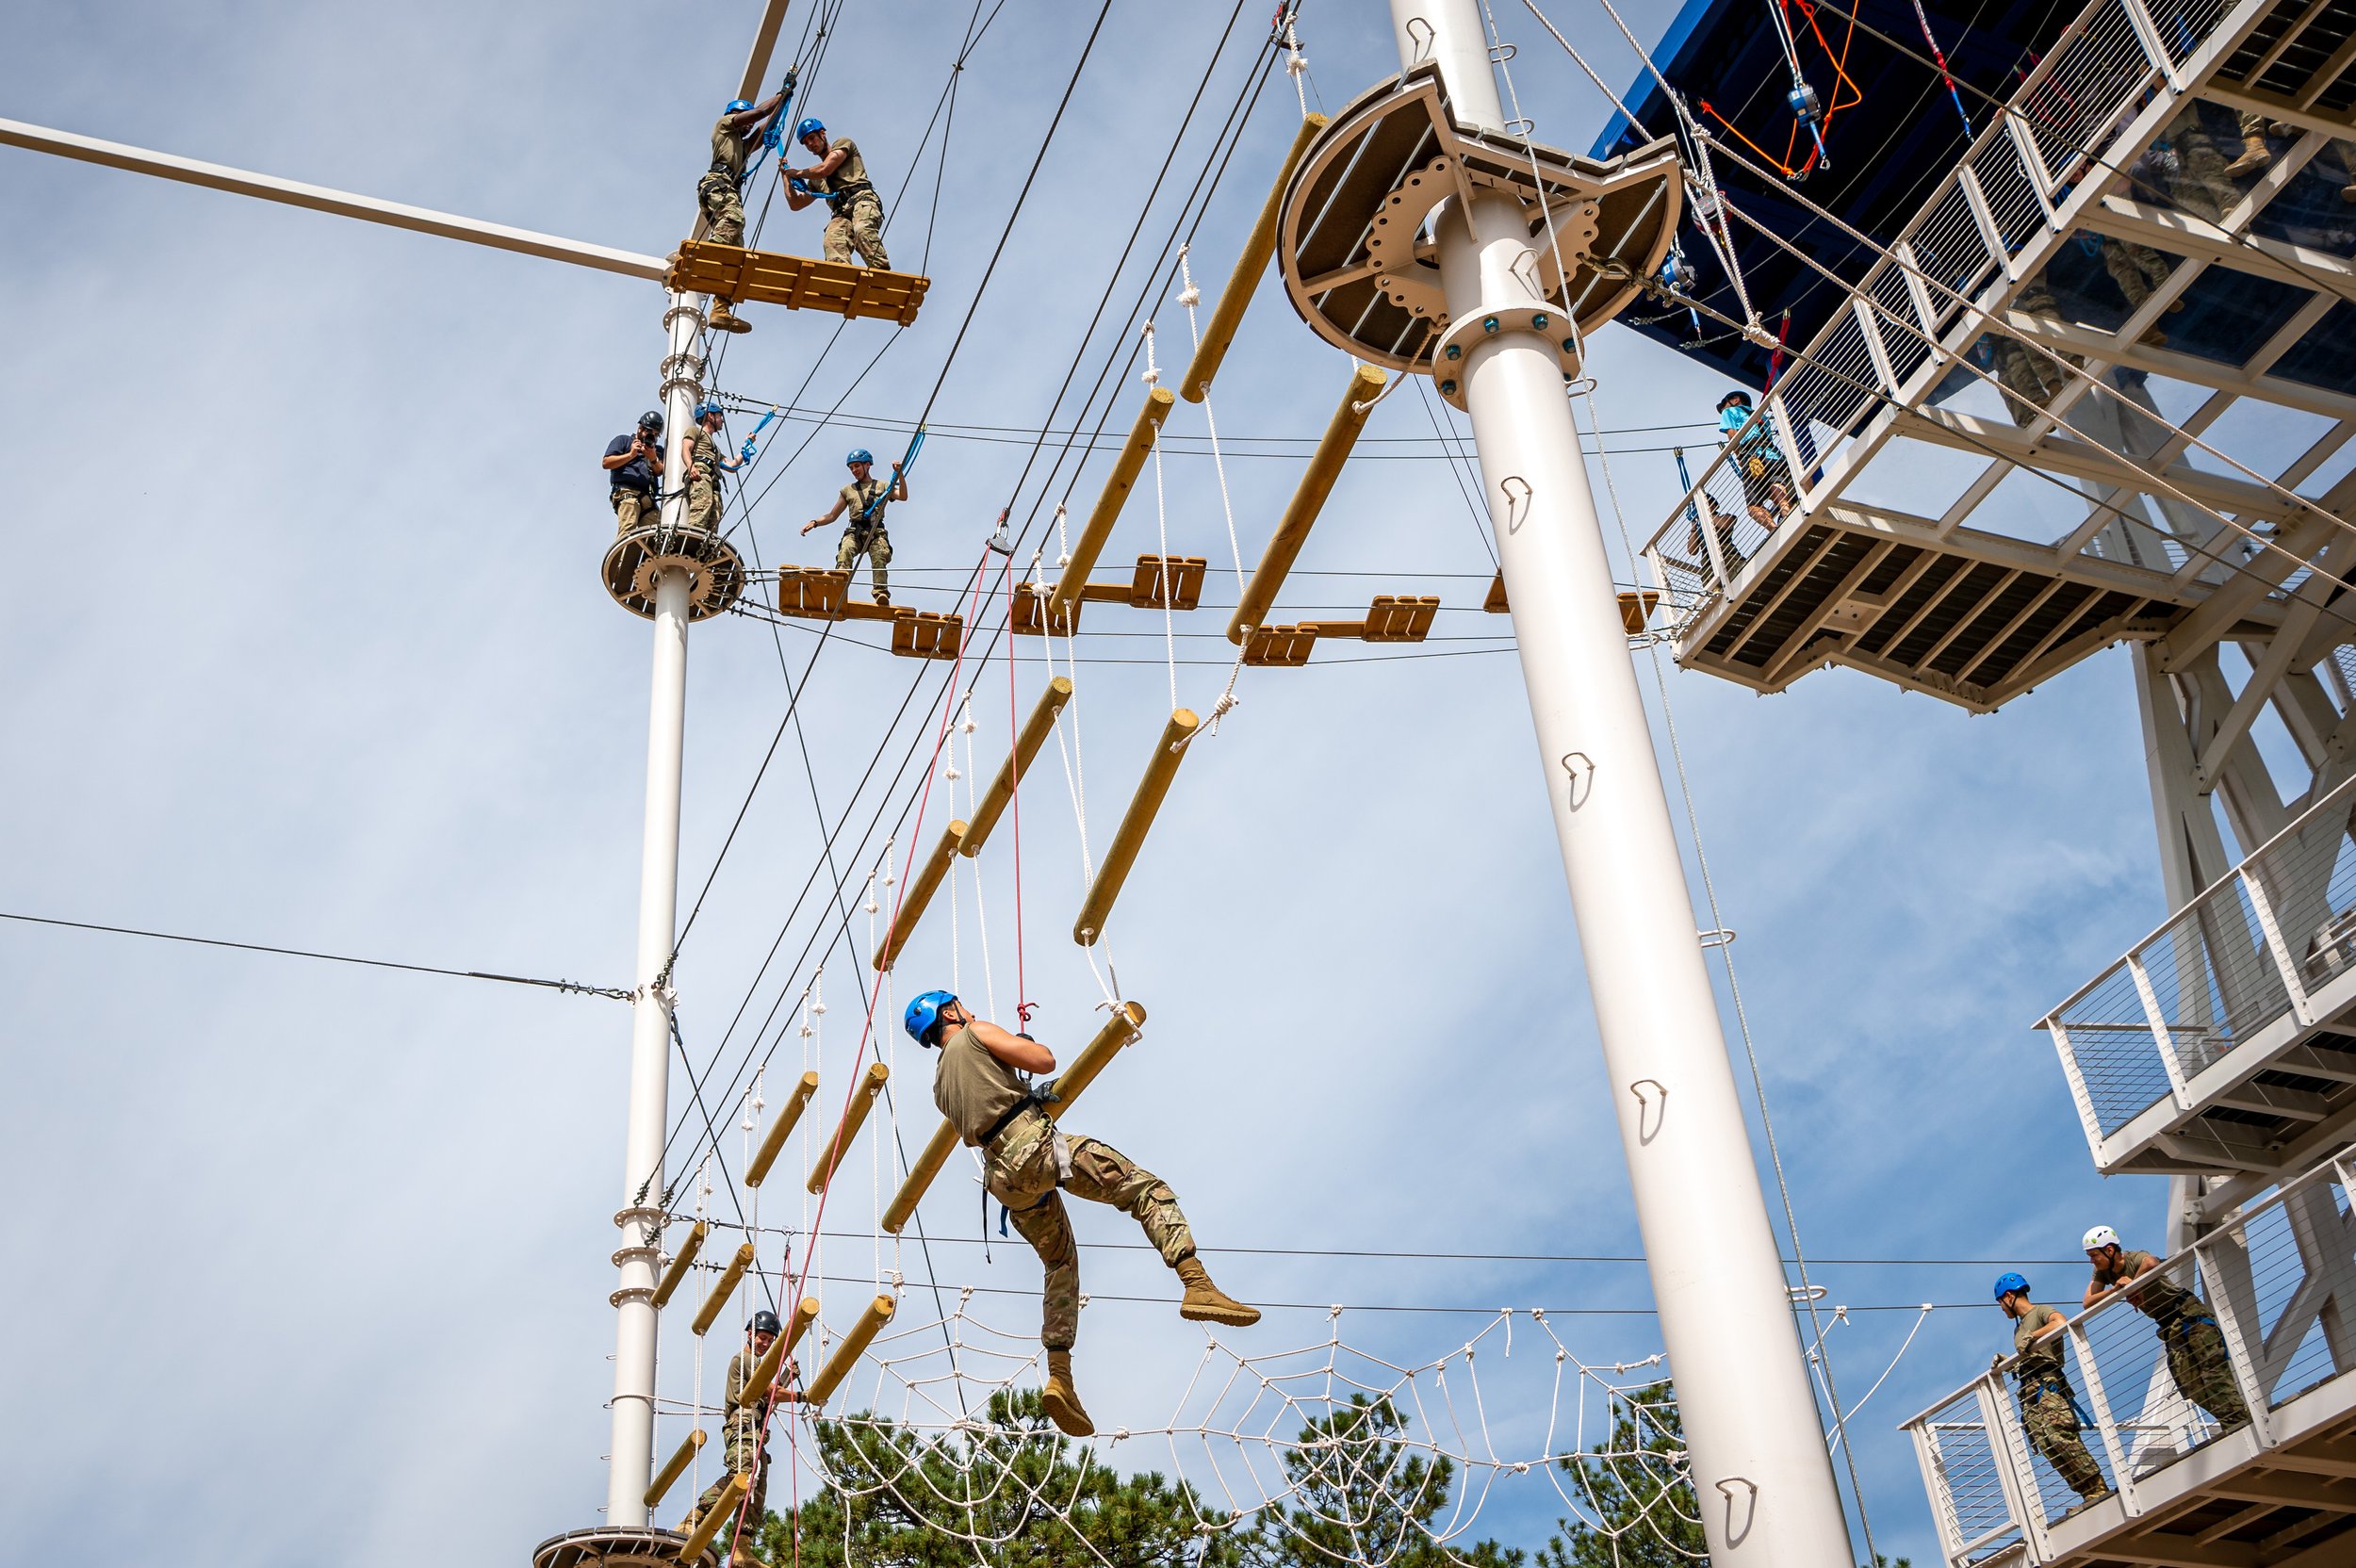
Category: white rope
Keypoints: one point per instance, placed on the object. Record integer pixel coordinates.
(1161, 521)
(1294, 66)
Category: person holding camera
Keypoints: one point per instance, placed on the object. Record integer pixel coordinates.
(634, 465)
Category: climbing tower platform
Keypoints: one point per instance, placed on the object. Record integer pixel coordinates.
(1996, 459)
(741, 276)
(636, 560)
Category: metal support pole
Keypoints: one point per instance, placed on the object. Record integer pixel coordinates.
(641, 1217)
(1760, 1466)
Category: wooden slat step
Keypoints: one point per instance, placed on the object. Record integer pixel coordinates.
(1400, 619)
(1032, 606)
(1181, 573)
(815, 593)
(1636, 609)
(923, 634)
(1281, 647)
(798, 283)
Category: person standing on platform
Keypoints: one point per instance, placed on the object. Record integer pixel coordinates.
(838, 179)
(721, 194)
(1026, 1158)
(744, 1430)
(700, 454)
(633, 465)
(2196, 1347)
(2049, 1410)
(864, 499)
(1766, 477)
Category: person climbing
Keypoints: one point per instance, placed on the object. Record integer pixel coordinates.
(721, 194)
(865, 499)
(634, 465)
(981, 1085)
(744, 1428)
(700, 454)
(2196, 1347)
(838, 179)
(2049, 1410)
(1766, 477)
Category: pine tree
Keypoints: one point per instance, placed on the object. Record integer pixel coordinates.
(1636, 1488)
(1361, 1497)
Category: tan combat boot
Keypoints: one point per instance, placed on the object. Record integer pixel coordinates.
(725, 320)
(1207, 1303)
(2254, 156)
(1061, 1402)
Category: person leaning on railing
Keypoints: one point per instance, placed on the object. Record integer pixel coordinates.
(2196, 1347)
(2048, 1410)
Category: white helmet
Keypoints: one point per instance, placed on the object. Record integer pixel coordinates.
(2101, 1235)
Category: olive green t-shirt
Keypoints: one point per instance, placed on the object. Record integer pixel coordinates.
(855, 502)
(729, 150)
(703, 455)
(2157, 1296)
(972, 1088)
(849, 175)
(2039, 1359)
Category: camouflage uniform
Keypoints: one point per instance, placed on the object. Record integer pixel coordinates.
(745, 1455)
(2195, 1348)
(864, 535)
(857, 220)
(718, 192)
(703, 482)
(1025, 1163)
(2136, 269)
(634, 509)
(2046, 1409)
(2028, 372)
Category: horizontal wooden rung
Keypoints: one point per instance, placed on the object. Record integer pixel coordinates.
(798, 283)
(1035, 611)
(814, 593)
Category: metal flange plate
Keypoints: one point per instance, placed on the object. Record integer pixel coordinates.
(636, 560)
(1359, 268)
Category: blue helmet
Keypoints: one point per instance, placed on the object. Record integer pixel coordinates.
(738, 106)
(858, 454)
(704, 410)
(924, 1015)
(2007, 1283)
(807, 127)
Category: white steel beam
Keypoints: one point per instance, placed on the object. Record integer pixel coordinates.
(2180, 234)
(343, 204)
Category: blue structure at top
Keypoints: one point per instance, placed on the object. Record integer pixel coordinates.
(1889, 125)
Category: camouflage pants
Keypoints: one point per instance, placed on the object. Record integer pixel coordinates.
(1023, 1173)
(859, 225)
(745, 1457)
(2136, 269)
(2196, 1360)
(724, 209)
(703, 504)
(634, 510)
(873, 542)
(2053, 1427)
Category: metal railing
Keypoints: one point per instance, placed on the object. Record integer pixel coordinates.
(2245, 955)
(2278, 1282)
(2013, 189)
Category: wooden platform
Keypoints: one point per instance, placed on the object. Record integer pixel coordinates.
(1391, 618)
(741, 276)
(823, 594)
(1181, 576)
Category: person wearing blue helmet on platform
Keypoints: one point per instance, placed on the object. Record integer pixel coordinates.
(2048, 1410)
(838, 179)
(982, 1086)
(864, 499)
(720, 192)
(703, 460)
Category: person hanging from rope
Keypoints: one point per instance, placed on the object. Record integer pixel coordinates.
(633, 466)
(2049, 1410)
(981, 1085)
(838, 179)
(1766, 477)
(699, 455)
(2196, 1347)
(864, 499)
(745, 1430)
(720, 192)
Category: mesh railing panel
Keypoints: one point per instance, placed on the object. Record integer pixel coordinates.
(2096, 72)
(1967, 1491)
(2111, 1042)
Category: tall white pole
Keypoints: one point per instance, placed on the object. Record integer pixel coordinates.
(640, 1217)
(1760, 1466)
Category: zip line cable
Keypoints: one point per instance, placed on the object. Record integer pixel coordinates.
(614, 993)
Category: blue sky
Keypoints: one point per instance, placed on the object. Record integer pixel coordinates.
(307, 648)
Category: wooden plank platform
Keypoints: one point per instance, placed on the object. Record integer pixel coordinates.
(1035, 609)
(1392, 618)
(823, 594)
(922, 634)
(1280, 647)
(741, 276)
